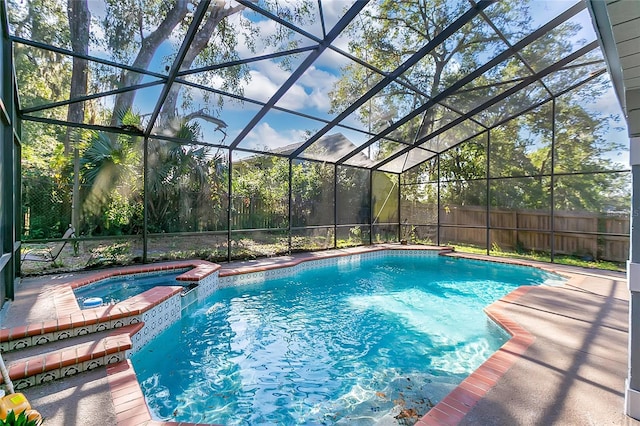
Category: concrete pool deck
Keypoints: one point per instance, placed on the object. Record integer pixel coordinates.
(566, 366)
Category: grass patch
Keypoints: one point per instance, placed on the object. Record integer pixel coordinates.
(544, 257)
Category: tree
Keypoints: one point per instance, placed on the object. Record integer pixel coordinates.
(390, 32)
(110, 174)
(137, 33)
(312, 193)
(260, 188)
(79, 24)
(43, 78)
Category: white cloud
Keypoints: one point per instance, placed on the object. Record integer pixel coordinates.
(333, 10)
(260, 87)
(607, 103)
(332, 60)
(311, 91)
(264, 136)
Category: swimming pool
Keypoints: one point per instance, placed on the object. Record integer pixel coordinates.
(116, 289)
(379, 342)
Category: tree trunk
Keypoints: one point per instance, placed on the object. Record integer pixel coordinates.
(124, 101)
(79, 25)
(217, 14)
(79, 22)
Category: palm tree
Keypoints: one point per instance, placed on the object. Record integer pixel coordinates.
(185, 181)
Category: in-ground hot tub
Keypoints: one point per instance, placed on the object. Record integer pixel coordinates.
(116, 289)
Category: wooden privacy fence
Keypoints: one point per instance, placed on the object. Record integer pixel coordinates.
(603, 236)
(255, 213)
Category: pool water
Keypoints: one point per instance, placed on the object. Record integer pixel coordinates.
(378, 343)
(114, 290)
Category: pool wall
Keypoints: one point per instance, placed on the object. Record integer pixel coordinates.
(164, 314)
(230, 278)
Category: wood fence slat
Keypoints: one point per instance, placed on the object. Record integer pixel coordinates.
(576, 233)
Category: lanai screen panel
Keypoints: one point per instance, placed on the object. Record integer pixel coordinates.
(353, 205)
(385, 194)
(591, 152)
(463, 195)
(419, 203)
(215, 94)
(312, 205)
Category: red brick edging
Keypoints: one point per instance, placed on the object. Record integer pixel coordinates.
(69, 314)
(452, 409)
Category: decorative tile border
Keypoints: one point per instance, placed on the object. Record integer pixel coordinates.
(72, 321)
(156, 320)
(230, 278)
(153, 311)
(208, 285)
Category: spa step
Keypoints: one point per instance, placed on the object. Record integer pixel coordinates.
(78, 322)
(37, 365)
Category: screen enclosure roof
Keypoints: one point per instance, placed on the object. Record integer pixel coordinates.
(383, 85)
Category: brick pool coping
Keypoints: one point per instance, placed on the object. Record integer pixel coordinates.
(129, 403)
(452, 409)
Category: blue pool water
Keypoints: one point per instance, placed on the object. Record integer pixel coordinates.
(117, 289)
(337, 345)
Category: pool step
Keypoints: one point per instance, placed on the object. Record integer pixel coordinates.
(36, 365)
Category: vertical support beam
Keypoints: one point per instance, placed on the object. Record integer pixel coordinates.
(399, 208)
(145, 198)
(438, 201)
(6, 210)
(15, 216)
(229, 204)
(552, 241)
(75, 197)
(632, 392)
(290, 204)
(10, 211)
(335, 206)
(487, 175)
(371, 206)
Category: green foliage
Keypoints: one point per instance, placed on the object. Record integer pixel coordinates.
(111, 188)
(543, 257)
(388, 34)
(188, 182)
(355, 232)
(116, 253)
(187, 188)
(42, 76)
(408, 232)
(353, 197)
(19, 420)
(260, 191)
(123, 216)
(312, 193)
(355, 237)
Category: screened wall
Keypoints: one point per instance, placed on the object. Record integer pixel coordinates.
(237, 130)
(9, 169)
